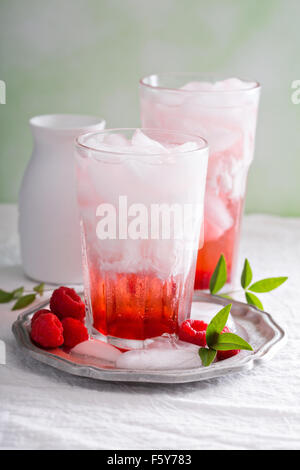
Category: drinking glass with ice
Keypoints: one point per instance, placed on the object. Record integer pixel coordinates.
(141, 198)
(224, 113)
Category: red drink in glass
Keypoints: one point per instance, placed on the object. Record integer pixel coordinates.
(136, 306)
(140, 229)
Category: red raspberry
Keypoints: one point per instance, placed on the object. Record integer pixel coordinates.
(65, 302)
(193, 331)
(222, 355)
(47, 331)
(37, 314)
(74, 332)
(226, 330)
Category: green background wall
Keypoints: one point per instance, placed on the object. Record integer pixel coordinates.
(86, 56)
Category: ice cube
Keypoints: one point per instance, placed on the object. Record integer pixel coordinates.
(167, 342)
(160, 356)
(230, 84)
(217, 217)
(209, 93)
(221, 138)
(116, 140)
(169, 98)
(110, 142)
(142, 142)
(98, 349)
(186, 147)
(233, 84)
(198, 86)
(209, 125)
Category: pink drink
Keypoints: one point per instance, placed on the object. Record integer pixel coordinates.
(224, 113)
(139, 281)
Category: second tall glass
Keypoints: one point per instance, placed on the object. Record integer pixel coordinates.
(224, 113)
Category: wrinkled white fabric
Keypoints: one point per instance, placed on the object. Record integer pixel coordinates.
(43, 408)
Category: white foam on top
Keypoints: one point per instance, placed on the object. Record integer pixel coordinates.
(139, 144)
(230, 84)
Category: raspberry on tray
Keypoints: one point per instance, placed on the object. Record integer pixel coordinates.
(74, 332)
(222, 355)
(193, 331)
(65, 303)
(38, 314)
(47, 331)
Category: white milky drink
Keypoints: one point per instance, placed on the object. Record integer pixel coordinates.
(224, 113)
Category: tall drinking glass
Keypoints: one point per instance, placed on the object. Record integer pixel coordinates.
(224, 113)
(141, 198)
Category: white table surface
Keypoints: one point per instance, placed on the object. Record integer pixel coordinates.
(43, 408)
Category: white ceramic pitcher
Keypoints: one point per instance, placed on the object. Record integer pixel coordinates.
(48, 216)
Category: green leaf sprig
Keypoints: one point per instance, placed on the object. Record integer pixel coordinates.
(22, 301)
(219, 278)
(218, 341)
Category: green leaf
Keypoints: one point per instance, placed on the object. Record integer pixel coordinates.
(18, 292)
(207, 356)
(219, 276)
(246, 277)
(23, 301)
(266, 285)
(5, 296)
(39, 288)
(217, 324)
(229, 341)
(253, 300)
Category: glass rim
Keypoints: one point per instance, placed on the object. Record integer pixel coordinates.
(198, 138)
(255, 84)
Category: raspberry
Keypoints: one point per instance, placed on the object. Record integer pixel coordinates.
(47, 331)
(74, 332)
(65, 302)
(37, 314)
(193, 331)
(222, 355)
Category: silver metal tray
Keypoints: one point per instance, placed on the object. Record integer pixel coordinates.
(259, 328)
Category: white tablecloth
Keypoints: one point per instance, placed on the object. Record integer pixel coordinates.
(42, 408)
